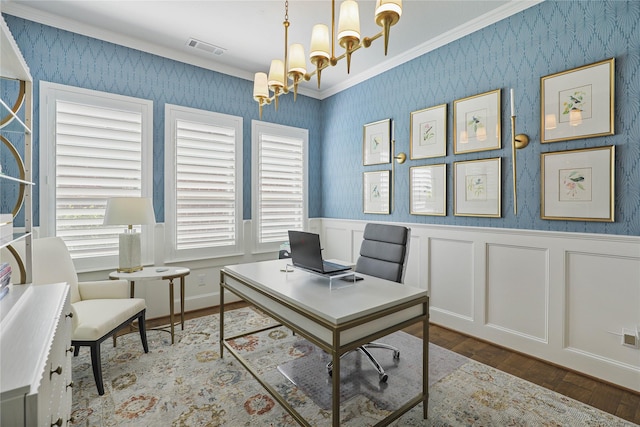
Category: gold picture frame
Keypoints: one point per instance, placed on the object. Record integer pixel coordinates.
(477, 123)
(578, 103)
(477, 187)
(428, 190)
(376, 143)
(578, 185)
(429, 132)
(376, 192)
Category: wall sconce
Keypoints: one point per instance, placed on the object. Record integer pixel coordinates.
(517, 142)
(400, 158)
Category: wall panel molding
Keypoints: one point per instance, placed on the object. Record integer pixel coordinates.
(556, 296)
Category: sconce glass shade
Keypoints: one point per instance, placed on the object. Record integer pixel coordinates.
(260, 87)
(575, 117)
(550, 121)
(129, 211)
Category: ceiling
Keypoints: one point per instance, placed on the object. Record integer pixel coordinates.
(249, 33)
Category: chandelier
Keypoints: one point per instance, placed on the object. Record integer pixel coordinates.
(294, 66)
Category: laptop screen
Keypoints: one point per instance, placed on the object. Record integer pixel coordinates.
(305, 250)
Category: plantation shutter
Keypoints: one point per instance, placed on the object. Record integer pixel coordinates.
(98, 154)
(280, 188)
(205, 185)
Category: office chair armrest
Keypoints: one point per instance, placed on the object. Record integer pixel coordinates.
(104, 289)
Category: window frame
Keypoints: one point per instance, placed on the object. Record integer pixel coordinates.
(172, 114)
(258, 127)
(49, 94)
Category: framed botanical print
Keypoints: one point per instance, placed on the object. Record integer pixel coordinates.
(376, 143)
(578, 184)
(476, 123)
(477, 188)
(428, 190)
(578, 103)
(376, 191)
(429, 132)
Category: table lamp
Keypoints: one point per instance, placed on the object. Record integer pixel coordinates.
(129, 211)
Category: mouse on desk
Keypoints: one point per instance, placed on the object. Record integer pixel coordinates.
(161, 269)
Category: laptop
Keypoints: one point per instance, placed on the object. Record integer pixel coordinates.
(307, 254)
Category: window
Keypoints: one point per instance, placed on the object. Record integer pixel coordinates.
(203, 183)
(279, 183)
(93, 145)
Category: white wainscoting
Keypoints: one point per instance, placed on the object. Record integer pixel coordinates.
(560, 297)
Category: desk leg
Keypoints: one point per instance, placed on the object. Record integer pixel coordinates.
(182, 302)
(335, 389)
(221, 314)
(132, 288)
(171, 308)
(425, 361)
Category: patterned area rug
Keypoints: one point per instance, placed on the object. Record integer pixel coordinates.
(188, 384)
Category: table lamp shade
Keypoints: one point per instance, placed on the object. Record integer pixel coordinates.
(129, 211)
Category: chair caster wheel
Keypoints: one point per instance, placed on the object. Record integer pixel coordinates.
(384, 378)
(396, 355)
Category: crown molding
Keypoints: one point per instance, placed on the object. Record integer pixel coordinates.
(28, 13)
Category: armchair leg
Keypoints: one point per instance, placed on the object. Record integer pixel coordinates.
(143, 331)
(96, 364)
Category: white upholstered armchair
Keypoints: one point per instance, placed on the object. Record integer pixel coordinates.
(100, 308)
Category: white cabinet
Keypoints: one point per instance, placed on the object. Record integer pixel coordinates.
(35, 350)
(35, 322)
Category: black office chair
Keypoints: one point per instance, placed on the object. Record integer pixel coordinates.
(383, 254)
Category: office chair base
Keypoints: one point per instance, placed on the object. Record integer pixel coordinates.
(382, 376)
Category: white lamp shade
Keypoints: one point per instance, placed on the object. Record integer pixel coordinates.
(260, 88)
(297, 60)
(349, 22)
(129, 211)
(383, 6)
(276, 73)
(319, 41)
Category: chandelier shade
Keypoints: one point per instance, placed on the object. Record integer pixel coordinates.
(322, 48)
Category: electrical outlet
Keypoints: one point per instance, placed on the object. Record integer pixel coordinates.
(201, 278)
(630, 338)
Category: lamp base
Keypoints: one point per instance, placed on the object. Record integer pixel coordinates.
(130, 252)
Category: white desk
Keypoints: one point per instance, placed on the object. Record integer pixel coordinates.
(158, 273)
(336, 318)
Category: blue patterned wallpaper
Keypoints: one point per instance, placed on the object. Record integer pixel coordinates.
(63, 57)
(551, 37)
(514, 53)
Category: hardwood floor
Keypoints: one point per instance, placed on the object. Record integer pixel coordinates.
(606, 397)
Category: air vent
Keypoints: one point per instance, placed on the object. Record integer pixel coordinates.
(207, 47)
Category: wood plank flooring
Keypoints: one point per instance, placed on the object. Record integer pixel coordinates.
(606, 397)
